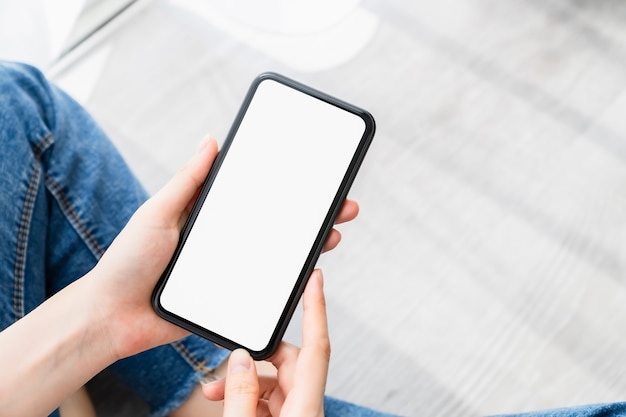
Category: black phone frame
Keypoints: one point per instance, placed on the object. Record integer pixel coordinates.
(318, 244)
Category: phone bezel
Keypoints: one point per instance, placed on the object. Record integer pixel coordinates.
(317, 245)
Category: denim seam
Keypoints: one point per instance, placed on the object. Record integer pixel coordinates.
(22, 243)
(191, 359)
(23, 230)
(72, 216)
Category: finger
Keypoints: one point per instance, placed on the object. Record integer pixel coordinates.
(214, 390)
(241, 395)
(332, 241)
(349, 211)
(273, 394)
(170, 202)
(315, 352)
(314, 320)
(263, 409)
(268, 387)
(285, 353)
(285, 359)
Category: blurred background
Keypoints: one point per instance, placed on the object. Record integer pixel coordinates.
(486, 272)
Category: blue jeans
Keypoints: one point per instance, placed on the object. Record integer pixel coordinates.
(65, 194)
(595, 410)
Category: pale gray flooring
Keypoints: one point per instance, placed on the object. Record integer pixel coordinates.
(486, 272)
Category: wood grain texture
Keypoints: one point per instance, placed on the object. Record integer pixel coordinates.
(486, 272)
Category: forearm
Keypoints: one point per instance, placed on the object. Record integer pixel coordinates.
(52, 352)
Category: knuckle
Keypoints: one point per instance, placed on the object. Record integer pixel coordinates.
(327, 350)
(189, 174)
(244, 388)
(322, 345)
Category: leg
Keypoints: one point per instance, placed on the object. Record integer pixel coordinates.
(42, 235)
(595, 410)
(66, 193)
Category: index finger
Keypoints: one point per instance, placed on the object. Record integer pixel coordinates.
(306, 368)
(312, 367)
(349, 211)
(314, 321)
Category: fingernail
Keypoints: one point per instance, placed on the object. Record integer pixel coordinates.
(208, 379)
(320, 276)
(239, 362)
(203, 144)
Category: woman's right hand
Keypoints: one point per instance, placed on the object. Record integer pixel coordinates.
(298, 388)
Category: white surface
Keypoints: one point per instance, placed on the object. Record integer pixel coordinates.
(288, 17)
(36, 31)
(297, 37)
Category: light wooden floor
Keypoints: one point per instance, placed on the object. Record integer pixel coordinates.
(487, 270)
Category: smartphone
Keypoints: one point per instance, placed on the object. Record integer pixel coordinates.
(263, 214)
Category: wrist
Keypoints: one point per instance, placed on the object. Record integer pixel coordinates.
(103, 317)
(93, 325)
(52, 351)
(123, 313)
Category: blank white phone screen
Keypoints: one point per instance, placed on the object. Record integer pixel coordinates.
(262, 214)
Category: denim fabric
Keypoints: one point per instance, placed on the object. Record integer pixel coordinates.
(595, 410)
(65, 193)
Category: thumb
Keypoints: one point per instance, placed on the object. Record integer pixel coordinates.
(171, 200)
(241, 394)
